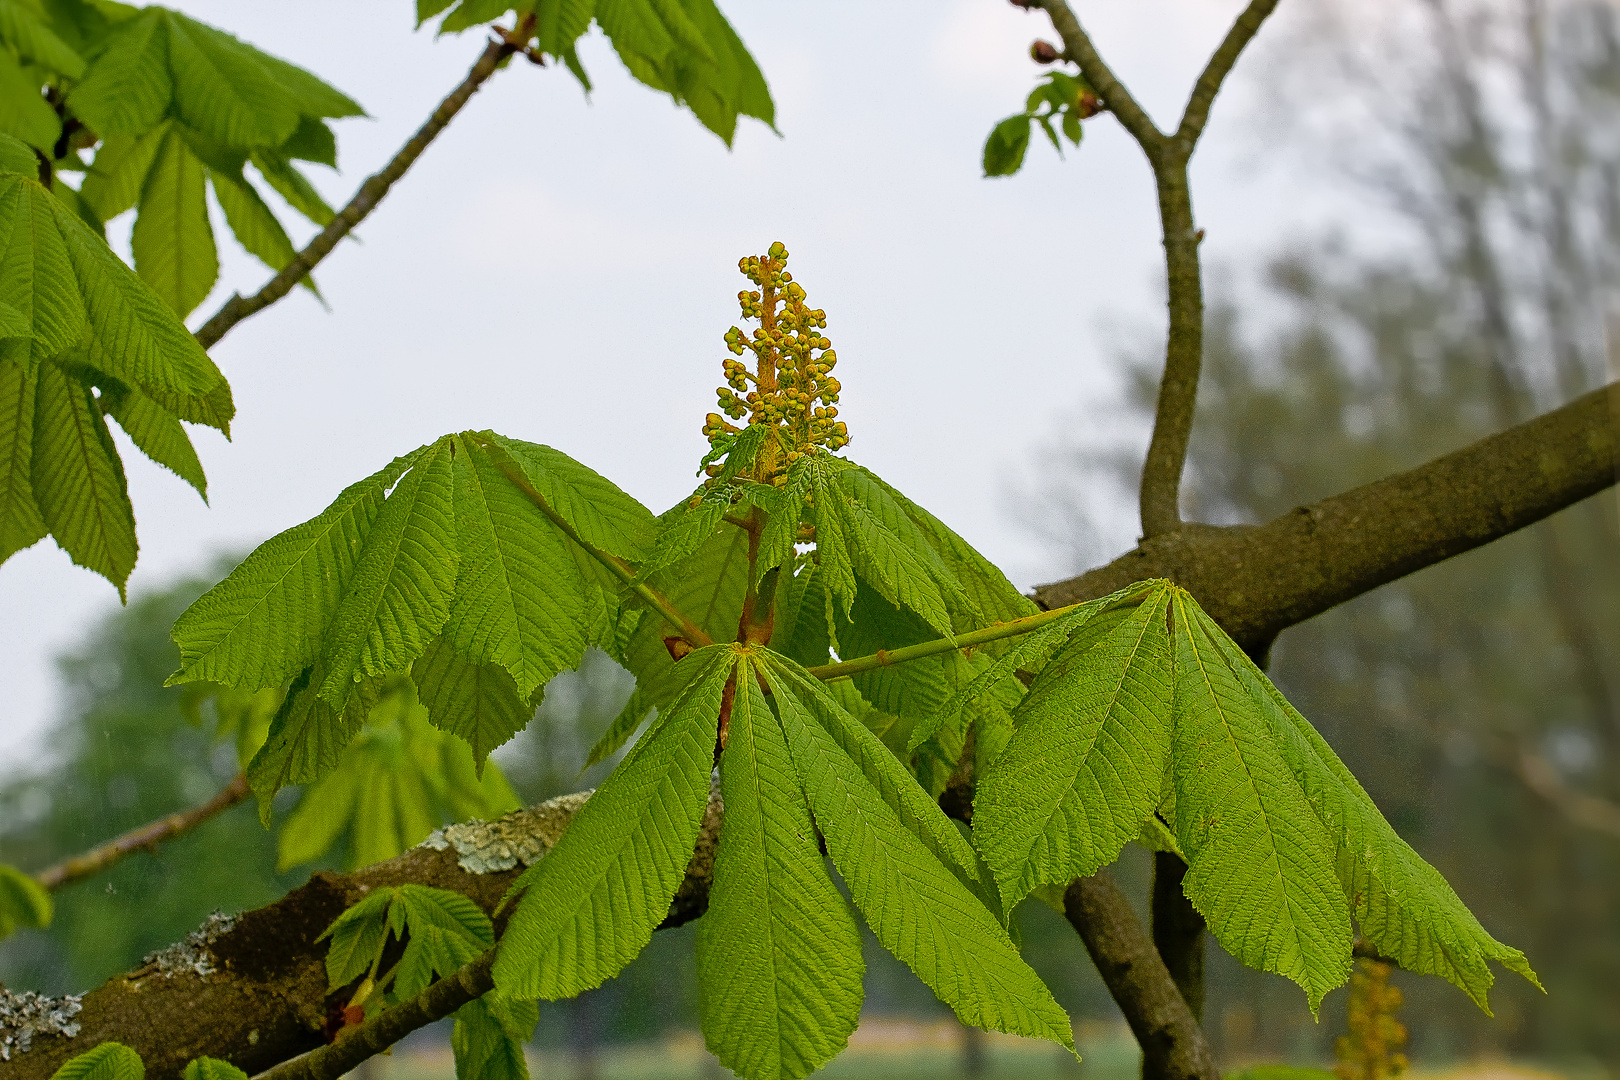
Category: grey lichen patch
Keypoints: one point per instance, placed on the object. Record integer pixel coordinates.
(192, 956)
(22, 1016)
(520, 838)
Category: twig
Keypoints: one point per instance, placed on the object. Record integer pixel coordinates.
(471, 981)
(1168, 155)
(366, 199)
(148, 836)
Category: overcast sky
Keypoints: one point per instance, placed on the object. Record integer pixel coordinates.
(562, 270)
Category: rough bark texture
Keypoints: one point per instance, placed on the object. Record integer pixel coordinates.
(1173, 1045)
(251, 989)
(1258, 580)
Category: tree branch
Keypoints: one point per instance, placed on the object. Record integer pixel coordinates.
(366, 199)
(442, 997)
(1168, 155)
(251, 989)
(1220, 64)
(148, 836)
(1118, 100)
(1258, 580)
(1173, 1046)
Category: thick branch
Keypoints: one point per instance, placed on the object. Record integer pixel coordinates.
(471, 981)
(1258, 580)
(147, 837)
(251, 989)
(1173, 1046)
(365, 200)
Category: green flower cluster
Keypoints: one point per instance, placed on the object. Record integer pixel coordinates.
(791, 388)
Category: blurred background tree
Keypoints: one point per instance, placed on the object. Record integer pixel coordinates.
(1478, 701)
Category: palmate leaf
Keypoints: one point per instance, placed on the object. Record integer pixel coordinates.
(459, 547)
(887, 842)
(306, 739)
(445, 931)
(357, 936)
(778, 954)
(593, 902)
(34, 42)
(24, 113)
(161, 63)
(109, 1061)
(1126, 723)
(685, 48)
(155, 431)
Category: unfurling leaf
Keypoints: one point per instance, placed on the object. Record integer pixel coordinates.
(109, 1061)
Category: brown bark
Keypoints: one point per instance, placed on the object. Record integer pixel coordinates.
(1173, 1045)
(252, 989)
(1258, 580)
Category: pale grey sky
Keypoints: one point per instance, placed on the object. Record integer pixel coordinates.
(561, 270)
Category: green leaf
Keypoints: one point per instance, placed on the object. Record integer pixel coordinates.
(172, 241)
(357, 937)
(520, 600)
(290, 184)
(253, 223)
(23, 902)
(918, 907)
(593, 902)
(127, 89)
(16, 156)
(155, 431)
(1005, 148)
(915, 808)
(313, 141)
(78, 479)
(992, 597)
(1402, 905)
(1260, 866)
(323, 814)
(861, 529)
(24, 113)
(483, 1048)
(560, 23)
(471, 13)
(399, 597)
(426, 9)
(35, 42)
(109, 1061)
(135, 337)
(266, 621)
(207, 1068)
(306, 740)
(477, 702)
(593, 506)
(446, 931)
(20, 522)
(36, 270)
(778, 954)
(1086, 763)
